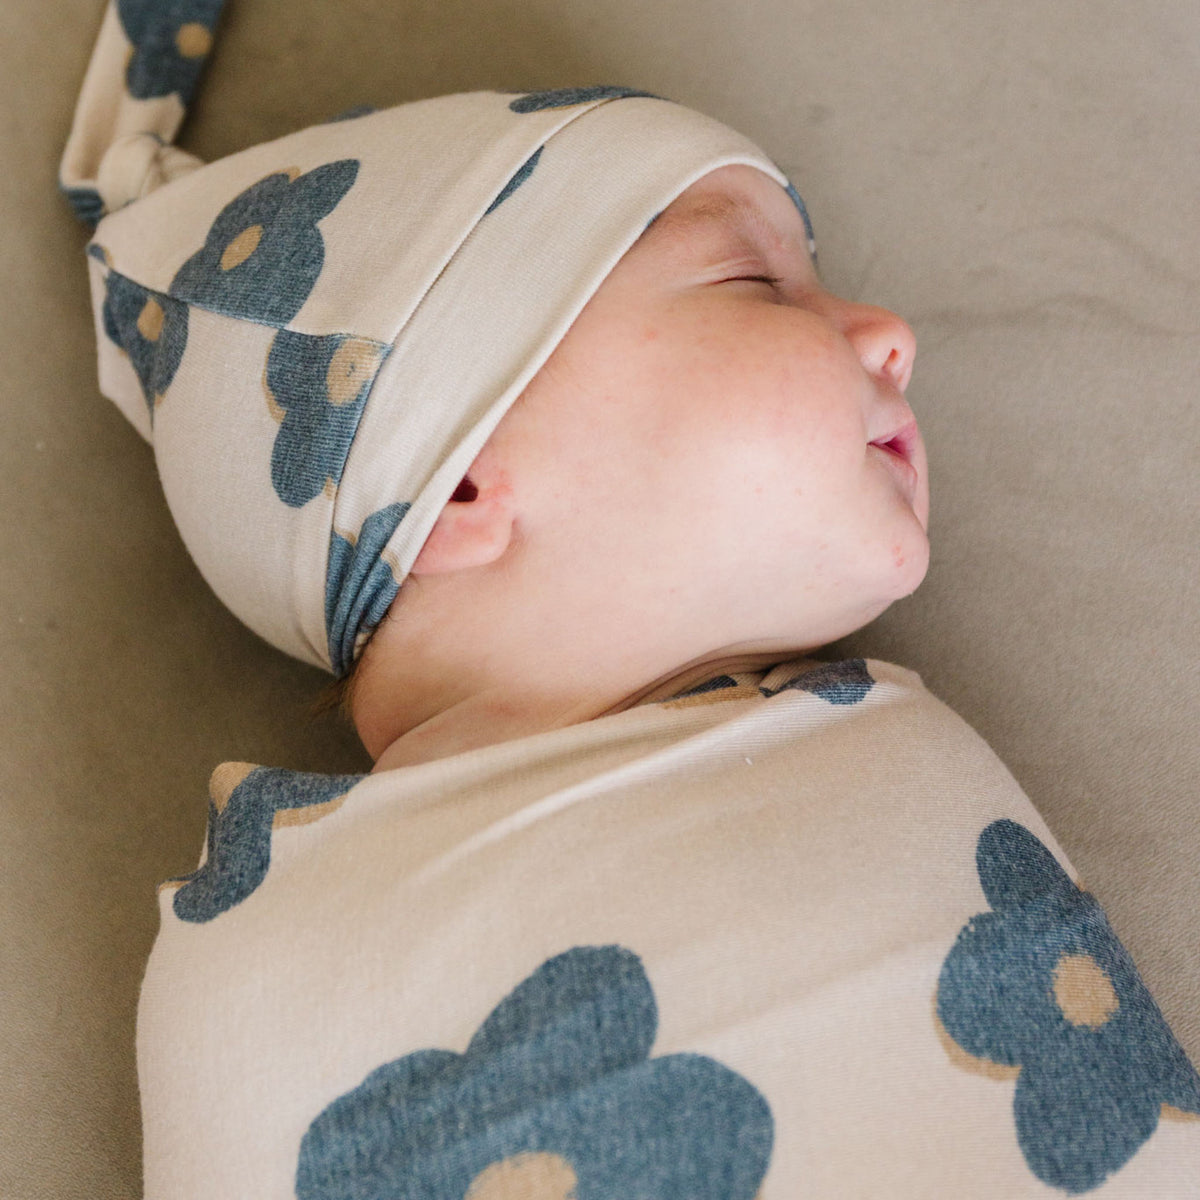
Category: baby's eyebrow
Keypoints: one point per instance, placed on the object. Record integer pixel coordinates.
(738, 214)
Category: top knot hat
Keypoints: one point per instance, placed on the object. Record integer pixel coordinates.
(318, 334)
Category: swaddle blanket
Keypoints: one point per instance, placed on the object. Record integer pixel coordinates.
(795, 933)
(319, 333)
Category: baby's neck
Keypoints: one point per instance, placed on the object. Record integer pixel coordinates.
(488, 717)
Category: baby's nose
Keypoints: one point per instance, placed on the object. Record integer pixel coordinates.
(885, 344)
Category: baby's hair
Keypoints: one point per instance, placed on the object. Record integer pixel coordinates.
(337, 695)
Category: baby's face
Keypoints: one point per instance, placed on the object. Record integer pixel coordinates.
(704, 437)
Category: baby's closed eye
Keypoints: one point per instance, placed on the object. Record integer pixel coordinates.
(773, 280)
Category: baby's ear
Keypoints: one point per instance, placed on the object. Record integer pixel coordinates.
(476, 526)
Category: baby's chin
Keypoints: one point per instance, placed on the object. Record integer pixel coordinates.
(913, 570)
(906, 571)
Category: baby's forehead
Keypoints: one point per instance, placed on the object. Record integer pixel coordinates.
(738, 200)
(694, 210)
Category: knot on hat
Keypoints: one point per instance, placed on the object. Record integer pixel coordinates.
(137, 164)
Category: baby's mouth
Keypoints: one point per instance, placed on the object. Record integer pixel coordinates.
(899, 450)
(899, 442)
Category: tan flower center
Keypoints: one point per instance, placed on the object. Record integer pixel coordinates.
(241, 247)
(224, 779)
(353, 362)
(529, 1176)
(1084, 991)
(150, 320)
(193, 40)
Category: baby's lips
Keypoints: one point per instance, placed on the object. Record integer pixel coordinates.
(906, 439)
(900, 440)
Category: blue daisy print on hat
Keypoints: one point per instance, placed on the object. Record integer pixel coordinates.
(264, 251)
(86, 204)
(150, 328)
(170, 44)
(1042, 986)
(316, 388)
(360, 584)
(352, 114)
(563, 97)
(845, 682)
(809, 235)
(794, 196)
(523, 173)
(246, 803)
(555, 1096)
(260, 260)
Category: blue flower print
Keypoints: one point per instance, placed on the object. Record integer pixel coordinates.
(555, 1097)
(247, 802)
(150, 327)
(359, 583)
(1042, 985)
(264, 252)
(717, 690)
(317, 388)
(260, 260)
(85, 203)
(718, 684)
(519, 178)
(562, 97)
(845, 682)
(359, 110)
(171, 41)
(794, 196)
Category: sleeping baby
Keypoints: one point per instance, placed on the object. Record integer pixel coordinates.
(528, 417)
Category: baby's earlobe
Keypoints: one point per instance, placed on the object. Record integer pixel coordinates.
(475, 531)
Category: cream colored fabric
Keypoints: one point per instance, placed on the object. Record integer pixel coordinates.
(791, 858)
